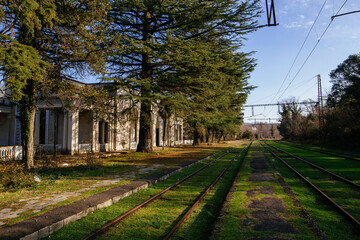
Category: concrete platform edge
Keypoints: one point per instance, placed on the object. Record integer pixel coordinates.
(33, 229)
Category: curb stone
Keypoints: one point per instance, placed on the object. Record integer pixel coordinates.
(43, 225)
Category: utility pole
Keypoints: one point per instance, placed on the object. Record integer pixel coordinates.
(320, 98)
(320, 105)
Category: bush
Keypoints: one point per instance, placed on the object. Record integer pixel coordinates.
(92, 162)
(247, 134)
(44, 160)
(13, 175)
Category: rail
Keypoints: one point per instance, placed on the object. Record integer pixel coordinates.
(340, 208)
(122, 217)
(316, 166)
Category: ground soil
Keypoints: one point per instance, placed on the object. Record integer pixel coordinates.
(266, 210)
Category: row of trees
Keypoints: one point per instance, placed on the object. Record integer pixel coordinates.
(338, 122)
(177, 54)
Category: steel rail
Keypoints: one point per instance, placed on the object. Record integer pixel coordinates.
(205, 192)
(105, 228)
(316, 166)
(341, 209)
(354, 158)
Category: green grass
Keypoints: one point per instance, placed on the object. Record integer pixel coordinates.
(345, 152)
(344, 194)
(153, 221)
(331, 223)
(200, 224)
(346, 168)
(76, 176)
(237, 211)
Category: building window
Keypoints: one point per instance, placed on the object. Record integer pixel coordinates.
(103, 132)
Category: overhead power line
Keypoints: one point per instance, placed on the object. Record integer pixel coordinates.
(279, 104)
(311, 52)
(301, 48)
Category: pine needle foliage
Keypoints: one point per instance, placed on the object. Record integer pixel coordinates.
(159, 39)
(41, 41)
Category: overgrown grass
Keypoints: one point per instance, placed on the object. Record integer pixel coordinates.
(59, 179)
(153, 221)
(13, 176)
(200, 223)
(326, 148)
(342, 193)
(237, 211)
(346, 168)
(329, 220)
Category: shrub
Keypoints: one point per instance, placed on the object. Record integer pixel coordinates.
(44, 160)
(13, 175)
(91, 161)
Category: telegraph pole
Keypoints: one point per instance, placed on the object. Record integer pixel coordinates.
(320, 100)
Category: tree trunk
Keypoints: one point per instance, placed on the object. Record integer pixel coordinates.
(27, 107)
(145, 133)
(145, 136)
(208, 135)
(197, 137)
(220, 136)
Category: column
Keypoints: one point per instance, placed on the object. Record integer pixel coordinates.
(73, 132)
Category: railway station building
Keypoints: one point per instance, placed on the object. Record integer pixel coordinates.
(80, 131)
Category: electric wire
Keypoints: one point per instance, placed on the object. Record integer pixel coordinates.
(295, 87)
(309, 55)
(301, 48)
(307, 58)
(311, 52)
(296, 57)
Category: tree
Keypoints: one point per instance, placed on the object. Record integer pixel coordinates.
(346, 83)
(42, 41)
(343, 116)
(150, 30)
(290, 119)
(247, 134)
(215, 86)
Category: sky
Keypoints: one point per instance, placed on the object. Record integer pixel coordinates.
(276, 75)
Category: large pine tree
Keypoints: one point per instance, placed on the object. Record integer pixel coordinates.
(151, 29)
(213, 86)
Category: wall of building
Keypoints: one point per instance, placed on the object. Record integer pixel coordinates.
(80, 132)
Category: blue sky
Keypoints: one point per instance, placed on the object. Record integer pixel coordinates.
(277, 47)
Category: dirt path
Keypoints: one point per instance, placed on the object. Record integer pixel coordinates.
(258, 206)
(269, 212)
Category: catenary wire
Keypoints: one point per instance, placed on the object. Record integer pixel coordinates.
(301, 48)
(311, 52)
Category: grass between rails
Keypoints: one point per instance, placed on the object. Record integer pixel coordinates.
(76, 176)
(199, 225)
(153, 221)
(331, 223)
(354, 154)
(342, 193)
(237, 211)
(344, 167)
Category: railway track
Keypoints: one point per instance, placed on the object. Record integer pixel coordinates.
(315, 166)
(338, 191)
(216, 165)
(329, 153)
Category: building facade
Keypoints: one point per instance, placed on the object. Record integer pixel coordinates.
(80, 131)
